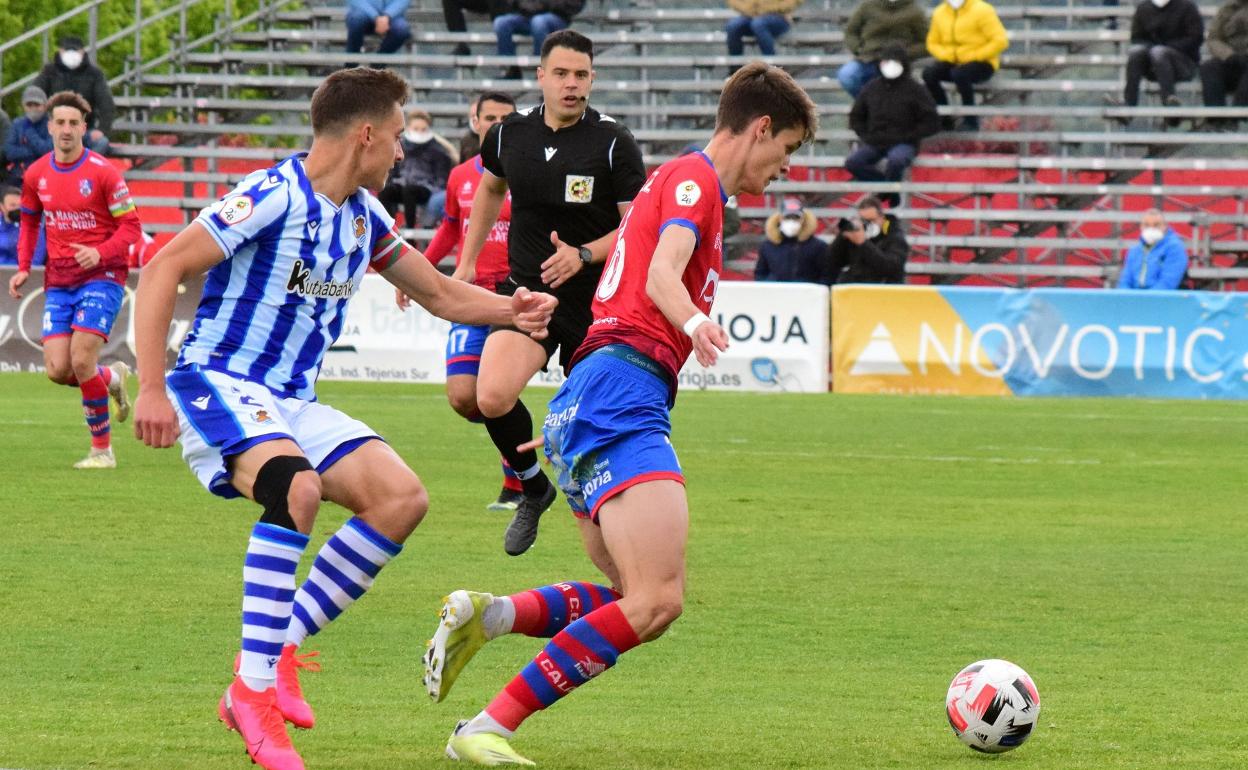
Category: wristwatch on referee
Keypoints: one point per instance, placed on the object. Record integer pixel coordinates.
(585, 254)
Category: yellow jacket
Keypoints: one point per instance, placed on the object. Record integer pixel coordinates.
(971, 33)
(761, 7)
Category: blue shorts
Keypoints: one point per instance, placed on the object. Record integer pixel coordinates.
(90, 308)
(463, 349)
(609, 429)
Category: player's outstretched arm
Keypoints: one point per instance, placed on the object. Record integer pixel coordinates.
(665, 289)
(191, 253)
(465, 303)
(487, 202)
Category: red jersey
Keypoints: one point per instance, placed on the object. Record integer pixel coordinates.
(461, 186)
(84, 203)
(684, 192)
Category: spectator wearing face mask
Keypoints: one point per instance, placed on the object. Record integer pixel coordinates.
(419, 180)
(967, 39)
(72, 70)
(10, 227)
(28, 139)
(790, 250)
(874, 26)
(1165, 48)
(871, 249)
(1158, 259)
(891, 116)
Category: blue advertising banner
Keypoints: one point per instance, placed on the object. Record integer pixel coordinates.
(1040, 342)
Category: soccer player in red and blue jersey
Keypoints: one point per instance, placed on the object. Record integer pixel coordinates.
(464, 343)
(608, 429)
(91, 223)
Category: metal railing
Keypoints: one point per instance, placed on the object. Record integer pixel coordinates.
(44, 32)
(137, 64)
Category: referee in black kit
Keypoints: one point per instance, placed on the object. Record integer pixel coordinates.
(572, 173)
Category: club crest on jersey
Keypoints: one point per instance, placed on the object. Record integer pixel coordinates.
(578, 189)
(43, 183)
(231, 211)
(84, 187)
(688, 193)
(262, 417)
(359, 230)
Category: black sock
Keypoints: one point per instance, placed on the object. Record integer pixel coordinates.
(510, 431)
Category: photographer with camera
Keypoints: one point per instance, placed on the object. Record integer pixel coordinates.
(870, 248)
(791, 252)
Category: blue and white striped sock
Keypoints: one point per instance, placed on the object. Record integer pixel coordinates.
(273, 555)
(342, 572)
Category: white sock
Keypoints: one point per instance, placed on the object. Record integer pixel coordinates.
(484, 723)
(498, 617)
(259, 685)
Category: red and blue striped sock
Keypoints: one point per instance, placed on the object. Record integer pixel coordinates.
(510, 479)
(544, 612)
(95, 409)
(575, 655)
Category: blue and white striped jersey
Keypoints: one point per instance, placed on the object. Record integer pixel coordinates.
(277, 302)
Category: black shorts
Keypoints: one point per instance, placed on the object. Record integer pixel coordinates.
(568, 324)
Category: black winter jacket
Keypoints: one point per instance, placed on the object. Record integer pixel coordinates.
(1177, 25)
(87, 81)
(891, 112)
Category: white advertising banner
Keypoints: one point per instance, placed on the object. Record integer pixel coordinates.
(778, 340)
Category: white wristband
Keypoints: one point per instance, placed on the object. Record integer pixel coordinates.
(694, 322)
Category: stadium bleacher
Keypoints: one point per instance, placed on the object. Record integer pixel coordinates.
(1048, 193)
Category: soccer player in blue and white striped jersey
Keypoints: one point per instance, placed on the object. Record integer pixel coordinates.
(284, 253)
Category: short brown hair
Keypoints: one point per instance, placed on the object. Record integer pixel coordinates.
(759, 89)
(349, 95)
(69, 99)
(870, 202)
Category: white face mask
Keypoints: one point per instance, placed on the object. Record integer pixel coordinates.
(418, 137)
(71, 59)
(871, 229)
(891, 69)
(1151, 235)
(790, 227)
(955, 4)
(1160, 3)
(34, 116)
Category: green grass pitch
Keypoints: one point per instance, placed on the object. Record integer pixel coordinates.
(848, 556)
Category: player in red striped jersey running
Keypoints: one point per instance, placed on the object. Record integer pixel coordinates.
(91, 224)
(608, 428)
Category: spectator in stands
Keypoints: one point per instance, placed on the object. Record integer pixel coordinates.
(870, 249)
(1227, 70)
(1165, 48)
(763, 20)
(5, 124)
(419, 180)
(387, 19)
(967, 39)
(1158, 259)
(891, 116)
(72, 70)
(10, 227)
(453, 12)
(28, 139)
(790, 250)
(536, 18)
(874, 26)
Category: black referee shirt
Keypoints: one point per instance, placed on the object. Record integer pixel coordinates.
(571, 180)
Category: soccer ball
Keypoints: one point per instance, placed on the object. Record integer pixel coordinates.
(992, 706)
